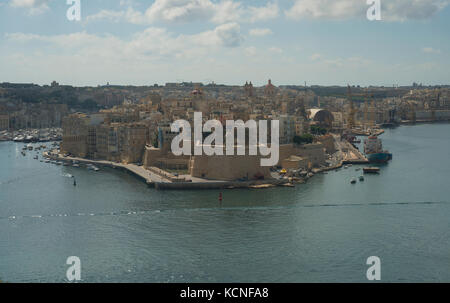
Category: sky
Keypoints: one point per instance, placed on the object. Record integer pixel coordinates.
(143, 42)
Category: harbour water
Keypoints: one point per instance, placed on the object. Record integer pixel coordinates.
(322, 231)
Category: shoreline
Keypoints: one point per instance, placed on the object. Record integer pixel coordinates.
(160, 182)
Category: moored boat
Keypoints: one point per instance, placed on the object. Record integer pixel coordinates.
(371, 170)
(373, 148)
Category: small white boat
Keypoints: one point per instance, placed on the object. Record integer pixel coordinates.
(353, 181)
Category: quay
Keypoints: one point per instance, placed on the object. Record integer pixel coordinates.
(140, 172)
(162, 180)
(367, 133)
(348, 153)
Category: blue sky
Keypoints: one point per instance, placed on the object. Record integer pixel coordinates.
(323, 42)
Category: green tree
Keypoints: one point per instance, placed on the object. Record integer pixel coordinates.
(317, 130)
(304, 139)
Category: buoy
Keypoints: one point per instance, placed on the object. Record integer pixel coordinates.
(220, 197)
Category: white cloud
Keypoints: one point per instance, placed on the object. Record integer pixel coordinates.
(430, 50)
(228, 35)
(276, 50)
(227, 11)
(315, 57)
(174, 11)
(153, 54)
(270, 11)
(250, 51)
(152, 43)
(169, 11)
(180, 10)
(260, 32)
(107, 15)
(392, 10)
(33, 7)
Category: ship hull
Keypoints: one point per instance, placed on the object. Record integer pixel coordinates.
(379, 157)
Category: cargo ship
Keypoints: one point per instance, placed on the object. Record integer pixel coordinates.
(373, 148)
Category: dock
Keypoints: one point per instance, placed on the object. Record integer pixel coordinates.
(162, 180)
(139, 171)
(350, 154)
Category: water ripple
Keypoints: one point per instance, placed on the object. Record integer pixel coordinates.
(153, 211)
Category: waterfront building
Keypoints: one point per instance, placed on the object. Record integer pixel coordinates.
(314, 154)
(30, 115)
(155, 157)
(229, 168)
(4, 122)
(79, 134)
(107, 147)
(295, 163)
(132, 141)
(75, 135)
(288, 128)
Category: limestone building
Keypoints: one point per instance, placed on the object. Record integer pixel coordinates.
(4, 122)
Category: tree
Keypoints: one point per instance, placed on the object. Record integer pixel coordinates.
(317, 130)
(304, 139)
